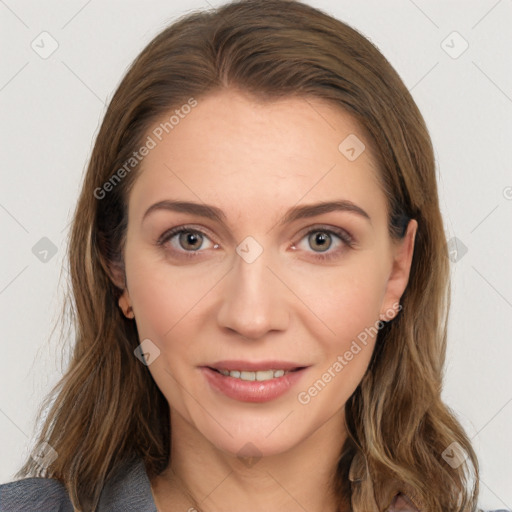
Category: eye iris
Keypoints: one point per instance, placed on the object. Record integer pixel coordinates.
(322, 239)
(194, 239)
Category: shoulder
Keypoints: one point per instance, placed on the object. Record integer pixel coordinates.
(128, 490)
(31, 494)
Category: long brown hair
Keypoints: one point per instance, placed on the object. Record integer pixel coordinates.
(107, 409)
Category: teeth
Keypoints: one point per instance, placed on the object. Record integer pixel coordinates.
(266, 375)
(252, 376)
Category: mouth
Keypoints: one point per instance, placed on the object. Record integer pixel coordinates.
(260, 375)
(253, 382)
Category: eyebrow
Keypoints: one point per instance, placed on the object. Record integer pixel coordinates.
(293, 214)
(311, 210)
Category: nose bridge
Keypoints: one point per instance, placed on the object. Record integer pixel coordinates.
(253, 303)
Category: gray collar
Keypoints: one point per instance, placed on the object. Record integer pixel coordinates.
(129, 490)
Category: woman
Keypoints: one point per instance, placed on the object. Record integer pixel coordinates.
(260, 282)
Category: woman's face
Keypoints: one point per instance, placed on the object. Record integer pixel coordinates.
(269, 281)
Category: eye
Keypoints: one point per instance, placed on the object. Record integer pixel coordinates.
(183, 239)
(326, 243)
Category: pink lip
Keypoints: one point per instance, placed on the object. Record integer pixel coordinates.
(251, 391)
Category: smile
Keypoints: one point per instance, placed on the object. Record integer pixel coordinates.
(260, 376)
(253, 385)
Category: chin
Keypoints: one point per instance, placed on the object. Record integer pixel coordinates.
(255, 435)
(254, 446)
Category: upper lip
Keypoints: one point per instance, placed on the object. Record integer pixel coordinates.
(254, 366)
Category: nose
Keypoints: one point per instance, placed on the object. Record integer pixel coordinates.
(254, 301)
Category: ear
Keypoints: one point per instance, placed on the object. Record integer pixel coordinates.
(400, 270)
(125, 304)
(116, 274)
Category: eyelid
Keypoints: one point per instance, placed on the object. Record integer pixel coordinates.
(347, 242)
(342, 233)
(163, 242)
(169, 233)
(346, 238)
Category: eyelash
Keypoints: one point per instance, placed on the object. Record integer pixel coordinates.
(342, 234)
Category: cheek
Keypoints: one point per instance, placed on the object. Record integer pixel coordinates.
(348, 302)
(164, 297)
(168, 304)
(345, 299)
(344, 350)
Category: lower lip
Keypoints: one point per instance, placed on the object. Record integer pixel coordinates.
(251, 391)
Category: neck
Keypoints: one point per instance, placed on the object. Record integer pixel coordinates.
(203, 478)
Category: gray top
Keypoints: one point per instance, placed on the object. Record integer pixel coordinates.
(128, 491)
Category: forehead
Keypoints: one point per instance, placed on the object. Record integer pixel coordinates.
(236, 151)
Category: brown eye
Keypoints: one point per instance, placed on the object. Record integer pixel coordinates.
(183, 241)
(320, 241)
(190, 240)
(325, 243)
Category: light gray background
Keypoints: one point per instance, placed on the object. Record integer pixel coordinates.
(51, 110)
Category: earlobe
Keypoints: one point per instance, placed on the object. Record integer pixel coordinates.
(400, 272)
(124, 304)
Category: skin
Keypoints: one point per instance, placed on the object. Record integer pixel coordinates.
(255, 161)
